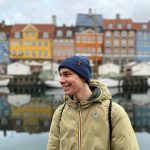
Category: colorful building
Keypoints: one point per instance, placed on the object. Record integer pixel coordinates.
(143, 42)
(31, 42)
(63, 42)
(4, 42)
(119, 40)
(89, 36)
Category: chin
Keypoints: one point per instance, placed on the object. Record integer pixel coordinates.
(68, 93)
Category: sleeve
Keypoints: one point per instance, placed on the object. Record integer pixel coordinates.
(123, 135)
(53, 137)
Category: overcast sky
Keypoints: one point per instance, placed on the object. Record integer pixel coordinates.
(41, 11)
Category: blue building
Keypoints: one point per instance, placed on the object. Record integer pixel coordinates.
(143, 43)
(4, 42)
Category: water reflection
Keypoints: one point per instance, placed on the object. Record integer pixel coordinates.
(30, 110)
(27, 112)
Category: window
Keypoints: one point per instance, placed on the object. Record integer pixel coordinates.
(124, 33)
(131, 34)
(123, 43)
(17, 35)
(116, 43)
(129, 26)
(119, 26)
(69, 33)
(81, 29)
(144, 26)
(34, 53)
(59, 33)
(108, 34)
(27, 52)
(2, 36)
(116, 34)
(110, 26)
(131, 43)
(39, 52)
(108, 43)
(20, 43)
(26, 34)
(108, 51)
(33, 33)
(45, 53)
(45, 35)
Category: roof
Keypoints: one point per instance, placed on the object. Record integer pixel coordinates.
(64, 29)
(40, 27)
(50, 28)
(115, 22)
(5, 28)
(89, 20)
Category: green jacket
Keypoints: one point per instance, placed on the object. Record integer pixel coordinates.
(84, 125)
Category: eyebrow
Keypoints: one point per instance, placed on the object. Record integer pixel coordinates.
(66, 71)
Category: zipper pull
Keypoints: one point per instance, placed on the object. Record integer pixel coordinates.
(78, 105)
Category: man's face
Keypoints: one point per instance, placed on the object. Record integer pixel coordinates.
(70, 81)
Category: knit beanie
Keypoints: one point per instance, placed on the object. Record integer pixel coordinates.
(78, 64)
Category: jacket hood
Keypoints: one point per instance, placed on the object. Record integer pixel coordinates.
(99, 93)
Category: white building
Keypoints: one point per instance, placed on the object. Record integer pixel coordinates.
(108, 68)
(141, 69)
(18, 68)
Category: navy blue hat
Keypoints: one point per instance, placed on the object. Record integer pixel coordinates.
(79, 65)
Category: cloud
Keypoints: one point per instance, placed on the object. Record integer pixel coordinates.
(41, 11)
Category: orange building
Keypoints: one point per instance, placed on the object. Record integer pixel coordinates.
(89, 36)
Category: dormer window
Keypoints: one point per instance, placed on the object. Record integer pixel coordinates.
(129, 26)
(119, 26)
(110, 26)
(59, 33)
(17, 35)
(45, 35)
(144, 26)
(69, 33)
(81, 29)
(2, 36)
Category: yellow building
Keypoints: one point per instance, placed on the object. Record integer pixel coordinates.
(31, 42)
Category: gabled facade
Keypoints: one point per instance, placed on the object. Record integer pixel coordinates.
(63, 43)
(89, 36)
(119, 41)
(143, 42)
(18, 68)
(4, 42)
(31, 42)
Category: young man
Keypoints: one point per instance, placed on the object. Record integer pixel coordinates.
(81, 123)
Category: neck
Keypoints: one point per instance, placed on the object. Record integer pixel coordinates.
(84, 94)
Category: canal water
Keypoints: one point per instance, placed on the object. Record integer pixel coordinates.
(26, 113)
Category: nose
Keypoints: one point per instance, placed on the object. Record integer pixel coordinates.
(61, 79)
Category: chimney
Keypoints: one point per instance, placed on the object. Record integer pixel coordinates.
(3, 24)
(54, 19)
(90, 11)
(117, 16)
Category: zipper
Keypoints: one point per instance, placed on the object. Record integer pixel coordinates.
(79, 126)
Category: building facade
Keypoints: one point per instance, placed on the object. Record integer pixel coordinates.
(119, 41)
(63, 43)
(31, 42)
(143, 42)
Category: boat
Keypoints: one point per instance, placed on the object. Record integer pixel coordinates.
(148, 81)
(52, 83)
(4, 90)
(4, 80)
(110, 82)
(50, 78)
